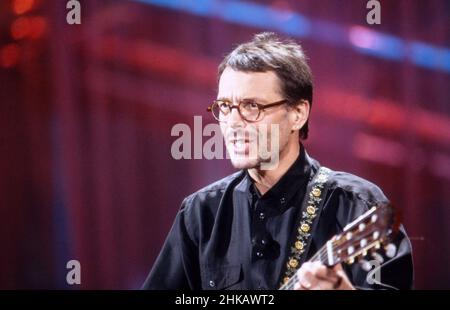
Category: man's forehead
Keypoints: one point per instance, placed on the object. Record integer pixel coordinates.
(258, 99)
(247, 85)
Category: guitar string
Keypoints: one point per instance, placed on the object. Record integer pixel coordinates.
(322, 252)
(292, 281)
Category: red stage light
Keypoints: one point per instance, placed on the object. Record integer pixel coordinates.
(21, 28)
(22, 6)
(9, 55)
(38, 27)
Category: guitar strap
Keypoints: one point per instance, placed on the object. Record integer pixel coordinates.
(311, 207)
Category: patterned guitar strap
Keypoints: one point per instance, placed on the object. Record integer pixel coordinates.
(311, 207)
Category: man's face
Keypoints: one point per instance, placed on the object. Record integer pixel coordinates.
(241, 136)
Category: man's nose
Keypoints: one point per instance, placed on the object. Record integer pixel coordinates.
(235, 118)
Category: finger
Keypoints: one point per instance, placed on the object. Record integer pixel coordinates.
(339, 271)
(338, 268)
(306, 274)
(316, 276)
(343, 280)
(311, 273)
(297, 284)
(322, 285)
(338, 283)
(325, 272)
(299, 287)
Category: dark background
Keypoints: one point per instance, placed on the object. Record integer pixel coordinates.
(86, 113)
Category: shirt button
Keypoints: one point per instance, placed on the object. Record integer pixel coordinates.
(262, 216)
(212, 283)
(282, 200)
(259, 254)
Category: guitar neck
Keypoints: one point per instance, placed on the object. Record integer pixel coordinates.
(322, 256)
(365, 233)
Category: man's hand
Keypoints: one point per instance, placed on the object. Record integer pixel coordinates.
(316, 276)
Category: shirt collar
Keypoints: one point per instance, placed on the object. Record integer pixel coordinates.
(288, 185)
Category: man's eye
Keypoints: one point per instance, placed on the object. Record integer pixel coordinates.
(224, 105)
(250, 105)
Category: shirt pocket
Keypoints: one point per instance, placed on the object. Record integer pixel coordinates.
(221, 278)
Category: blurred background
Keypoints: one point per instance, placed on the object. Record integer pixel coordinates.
(86, 113)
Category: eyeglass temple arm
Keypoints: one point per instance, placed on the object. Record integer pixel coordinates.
(263, 107)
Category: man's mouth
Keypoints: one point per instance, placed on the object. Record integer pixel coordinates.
(240, 145)
(239, 141)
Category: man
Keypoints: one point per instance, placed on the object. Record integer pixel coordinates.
(242, 232)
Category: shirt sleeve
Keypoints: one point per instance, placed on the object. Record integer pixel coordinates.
(176, 266)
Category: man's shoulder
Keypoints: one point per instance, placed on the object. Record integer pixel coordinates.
(356, 186)
(221, 184)
(213, 191)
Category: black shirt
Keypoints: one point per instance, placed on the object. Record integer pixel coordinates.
(228, 236)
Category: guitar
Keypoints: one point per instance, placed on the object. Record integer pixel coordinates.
(365, 234)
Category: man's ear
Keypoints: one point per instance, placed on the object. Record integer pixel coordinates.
(300, 114)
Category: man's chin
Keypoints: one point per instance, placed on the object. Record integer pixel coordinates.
(244, 163)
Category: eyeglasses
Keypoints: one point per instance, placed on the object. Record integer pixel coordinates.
(249, 110)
